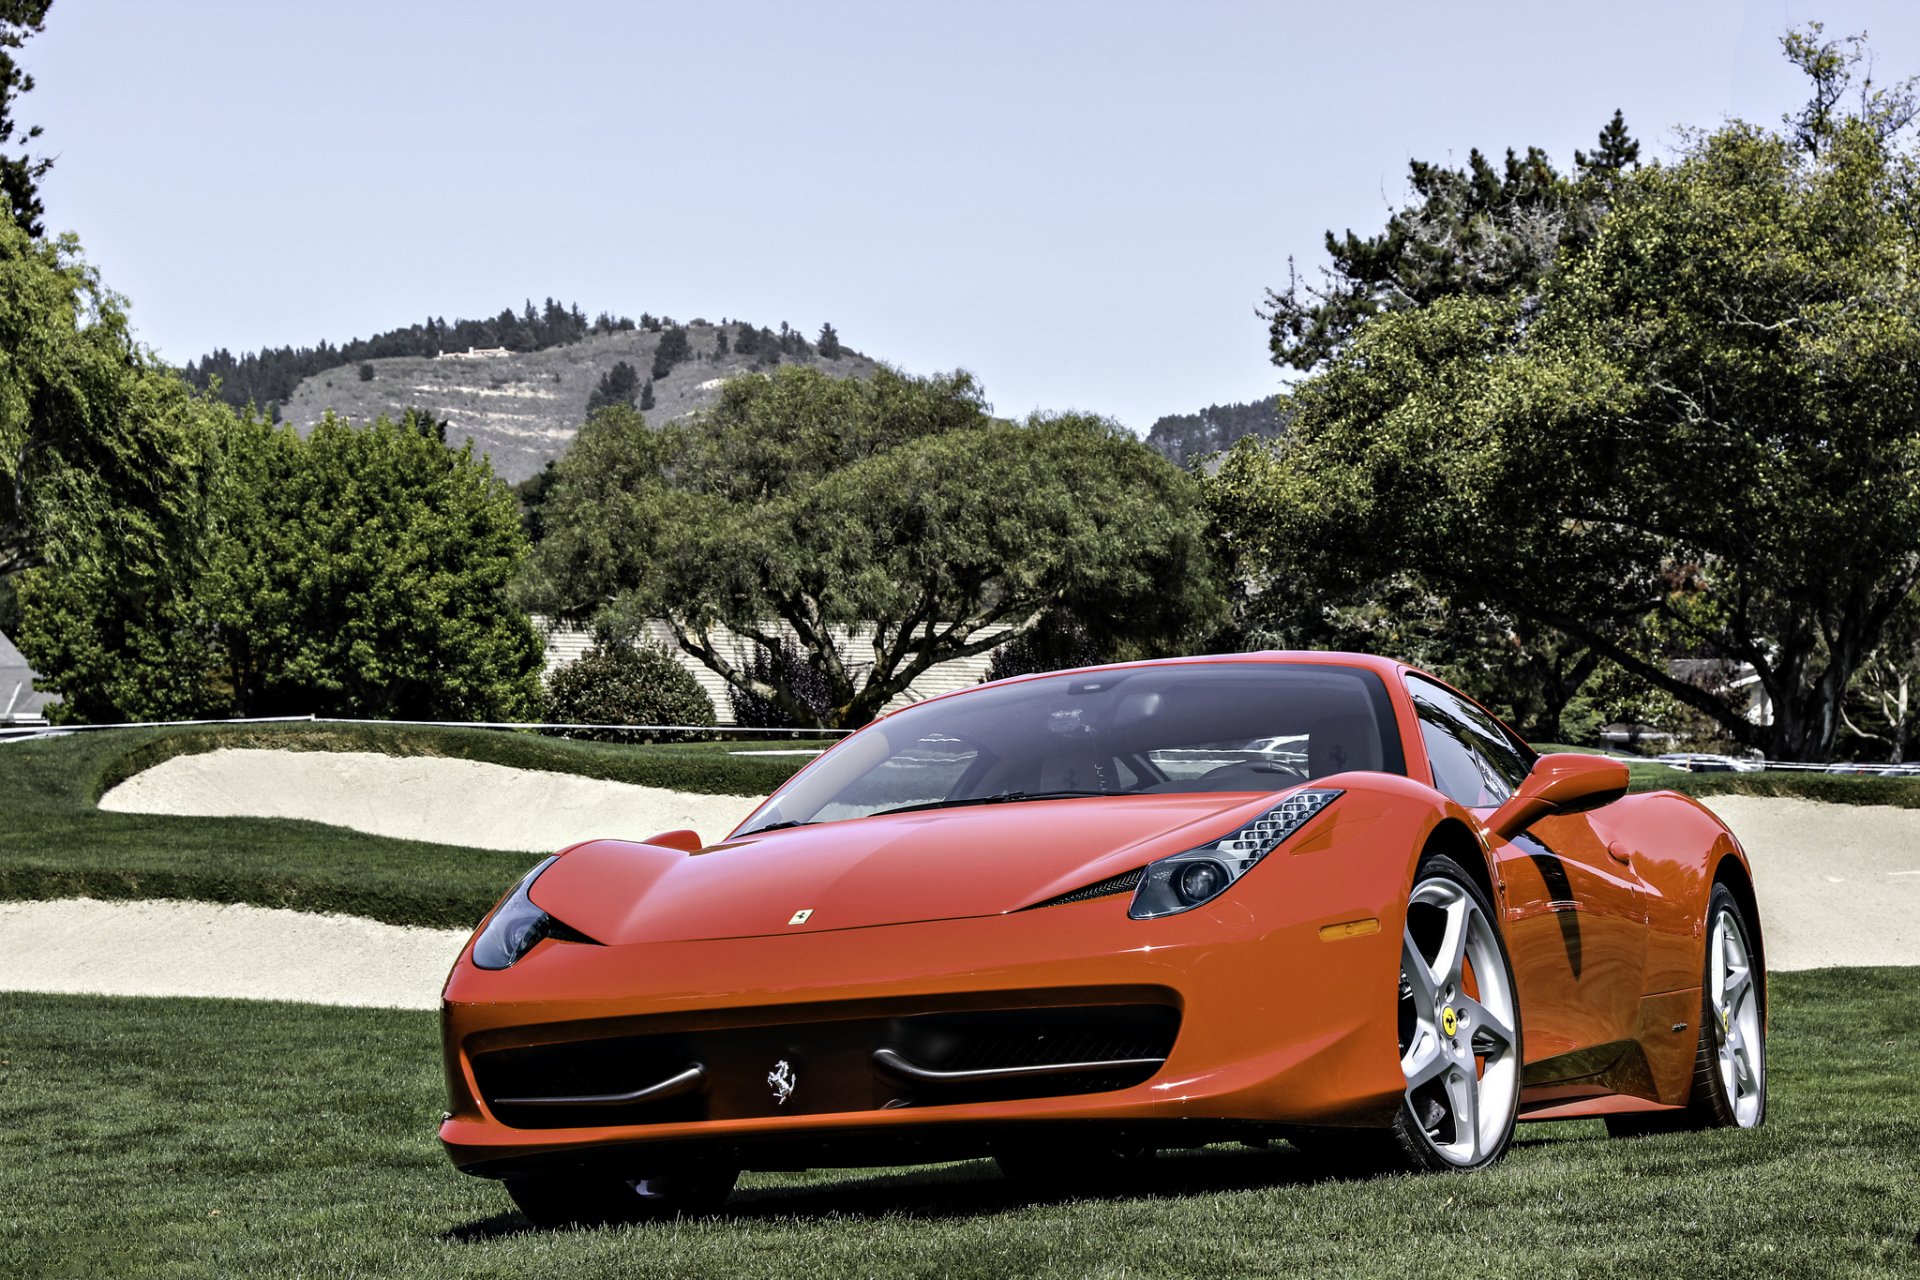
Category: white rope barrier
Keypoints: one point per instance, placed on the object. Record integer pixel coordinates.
(14, 732)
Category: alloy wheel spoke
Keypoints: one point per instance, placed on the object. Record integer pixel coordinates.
(1426, 992)
(1734, 988)
(1425, 1062)
(1452, 955)
(1481, 1020)
(1463, 1101)
(1737, 1051)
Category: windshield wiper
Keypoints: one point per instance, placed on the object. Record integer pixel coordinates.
(1004, 797)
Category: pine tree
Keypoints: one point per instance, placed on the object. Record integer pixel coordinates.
(646, 395)
(673, 349)
(829, 343)
(618, 385)
(1617, 151)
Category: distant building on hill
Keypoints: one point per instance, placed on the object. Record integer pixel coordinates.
(19, 704)
(476, 353)
(566, 643)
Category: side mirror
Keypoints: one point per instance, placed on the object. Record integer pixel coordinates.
(1560, 783)
(682, 839)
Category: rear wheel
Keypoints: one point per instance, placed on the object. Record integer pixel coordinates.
(589, 1200)
(1730, 1061)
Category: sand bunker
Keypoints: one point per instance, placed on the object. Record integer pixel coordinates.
(460, 802)
(1838, 884)
(199, 949)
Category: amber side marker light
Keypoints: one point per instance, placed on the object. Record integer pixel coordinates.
(1349, 929)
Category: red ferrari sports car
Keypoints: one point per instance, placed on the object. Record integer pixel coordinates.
(1086, 915)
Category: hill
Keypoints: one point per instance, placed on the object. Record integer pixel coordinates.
(1183, 437)
(523, 407)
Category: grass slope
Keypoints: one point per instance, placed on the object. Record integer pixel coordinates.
(55, 841)
(175, 1138)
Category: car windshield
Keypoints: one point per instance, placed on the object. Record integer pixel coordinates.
(1157, 729)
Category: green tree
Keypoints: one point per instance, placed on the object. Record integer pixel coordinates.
(646, 395)
(359, 572)
(115, 623)
(618, 385)
(93, 435)
(532, 494)
(20, 174)
(829, 343)
(1491, 231)
(1705, 439)
(673, 349)
(892, 510)
(365, 573)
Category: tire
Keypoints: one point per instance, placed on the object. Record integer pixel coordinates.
(589, 1201)
(1460, 1052)
(1730, 1062)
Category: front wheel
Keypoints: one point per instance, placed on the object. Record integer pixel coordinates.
(1459, 1036)
(1459, 1025)
(591, 1201)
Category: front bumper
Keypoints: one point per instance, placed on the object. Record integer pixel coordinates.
(1284, 1025)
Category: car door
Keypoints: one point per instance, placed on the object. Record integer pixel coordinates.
(1574, 915)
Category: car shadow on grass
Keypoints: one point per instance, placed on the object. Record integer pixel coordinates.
(977, 1189)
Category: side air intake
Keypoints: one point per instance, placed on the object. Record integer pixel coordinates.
(1100, 889)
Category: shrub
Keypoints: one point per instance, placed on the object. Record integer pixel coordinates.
(366, 371)
(752, 711)
(1057, 642)
(627, 684)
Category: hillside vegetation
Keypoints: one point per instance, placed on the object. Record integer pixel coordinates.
(1182, 438)
(523, 409)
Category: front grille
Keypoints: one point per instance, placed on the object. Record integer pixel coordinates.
(832, 1063)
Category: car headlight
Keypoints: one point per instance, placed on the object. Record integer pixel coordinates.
(515, 925)
(1183, 881)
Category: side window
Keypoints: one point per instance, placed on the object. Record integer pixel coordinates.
(1474, 761)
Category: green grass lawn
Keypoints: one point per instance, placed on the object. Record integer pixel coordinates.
(55, 841)
(177, 1138)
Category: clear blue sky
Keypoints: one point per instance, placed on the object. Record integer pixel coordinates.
(1081, 202)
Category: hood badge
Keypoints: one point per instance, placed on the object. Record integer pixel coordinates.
(800, 916)
(783, 1081)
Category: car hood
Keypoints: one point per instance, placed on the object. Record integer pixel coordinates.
(938, 864)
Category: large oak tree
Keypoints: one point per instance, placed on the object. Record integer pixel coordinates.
(880, 525)
(1702, 437)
